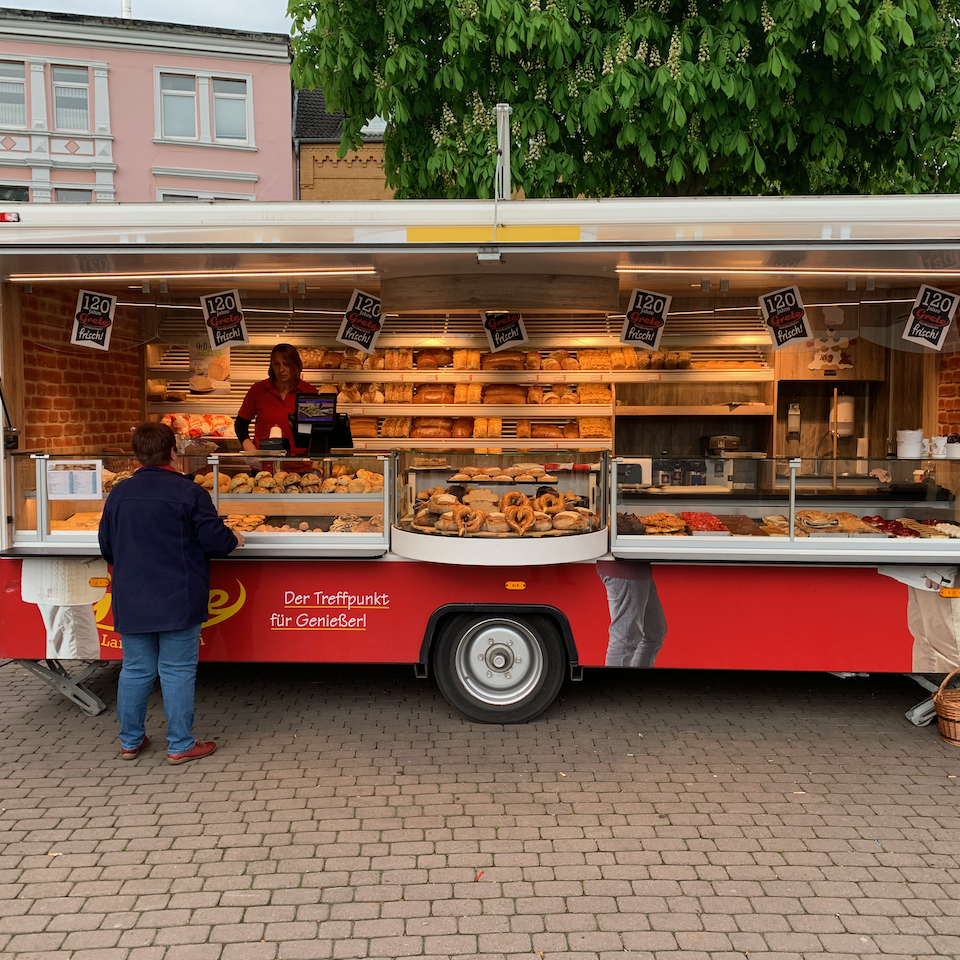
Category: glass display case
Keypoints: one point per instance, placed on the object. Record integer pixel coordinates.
(786, 510)
(330, 507)
(500, 508)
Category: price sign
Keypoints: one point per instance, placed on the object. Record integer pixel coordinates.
(503, 330)
(785, 316)
(223, 317)
(362, 322)
(931, 316)
(646, 316)
(93, 320)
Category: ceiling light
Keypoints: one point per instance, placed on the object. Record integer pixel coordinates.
(787, 271)
(724, 286)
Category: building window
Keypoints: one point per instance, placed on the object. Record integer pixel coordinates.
(204, 108)
(19, 194)
(229, 109)
(13, 94)
(74, 196)
(165, 196)
(71, 88)
(178, 95)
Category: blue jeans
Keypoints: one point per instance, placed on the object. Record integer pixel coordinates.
(172, 655)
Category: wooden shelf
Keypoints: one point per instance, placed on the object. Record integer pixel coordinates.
(512, 411)
(710, 410)
(471, 443)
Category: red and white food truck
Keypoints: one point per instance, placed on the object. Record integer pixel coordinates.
(705, 433)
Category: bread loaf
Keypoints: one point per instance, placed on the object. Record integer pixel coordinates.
(363, 427)
(426, 361)
(445, 422)
(331, 360)
(374, 361)
(310, 357)
(480, 428)
(550, 363)
(571, 430)
(474, 392)
(505, 393)
(434, 433)
(440, 357)
(507, 360)
(372, 393)
(531, 360)
(629, 357)
(523, 429)
(463, 427)
(494, 427)
(460, 394)
(594, 359)
(643, 359)
(595, 428)
(404, 425)
(433, 393)
(595, 393)
(569, 363)
(391, 360)
(546, 431)
(616, 359)
(535, 394)
(405, 359)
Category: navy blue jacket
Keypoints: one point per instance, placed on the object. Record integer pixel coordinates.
(159, 530)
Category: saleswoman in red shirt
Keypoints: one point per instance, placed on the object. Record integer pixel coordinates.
(270, 402)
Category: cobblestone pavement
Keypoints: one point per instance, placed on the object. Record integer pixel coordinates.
(350, 812)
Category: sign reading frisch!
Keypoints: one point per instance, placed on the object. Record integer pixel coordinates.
(785, 316)
(362, 322)
(93, 320)
(503, 330)
(931, 316)
(223, 318)
(645, 319)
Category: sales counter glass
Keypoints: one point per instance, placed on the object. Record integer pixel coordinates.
(785, 510)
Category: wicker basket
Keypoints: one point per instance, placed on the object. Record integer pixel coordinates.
(947, 702)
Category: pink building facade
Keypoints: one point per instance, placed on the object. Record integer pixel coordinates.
(100, 109)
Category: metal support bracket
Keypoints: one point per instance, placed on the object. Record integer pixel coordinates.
(421, 671)
(576, 672)
(924, 712)
(53, 673)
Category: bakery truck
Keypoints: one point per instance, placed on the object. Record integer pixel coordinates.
(710, 433)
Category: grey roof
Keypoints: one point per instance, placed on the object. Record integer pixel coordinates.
(10, 13)
(311, 120)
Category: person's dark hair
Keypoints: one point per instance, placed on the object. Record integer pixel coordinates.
(289, 353)
(153, 444)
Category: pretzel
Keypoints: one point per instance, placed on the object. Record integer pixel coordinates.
(468, 520)
(550, 503)
(513, 498)
(520, 518)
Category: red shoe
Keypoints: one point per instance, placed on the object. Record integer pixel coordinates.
(200, 749)
(133, 754)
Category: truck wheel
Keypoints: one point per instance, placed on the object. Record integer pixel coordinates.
(500, 669)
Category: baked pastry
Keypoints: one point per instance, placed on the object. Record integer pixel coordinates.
(496, 522)
(446, 523)
(513, 498)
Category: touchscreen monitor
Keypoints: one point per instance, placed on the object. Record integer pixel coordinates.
(315, 411)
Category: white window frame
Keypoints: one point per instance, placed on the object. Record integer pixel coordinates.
(206, 122)
(202, 196)
(178, 93)
(23, 83)
(70, 84)
(78, 189)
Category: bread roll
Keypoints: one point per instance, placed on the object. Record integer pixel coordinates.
(531, 360)
(331, 360)
(546, 431)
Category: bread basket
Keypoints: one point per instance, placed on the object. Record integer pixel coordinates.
(947, 702)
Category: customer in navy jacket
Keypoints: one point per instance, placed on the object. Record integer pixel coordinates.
(159, 530)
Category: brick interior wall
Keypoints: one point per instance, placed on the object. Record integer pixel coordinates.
(77, 399)
(949, 394)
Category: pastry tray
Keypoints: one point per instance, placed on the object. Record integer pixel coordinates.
(498, 536)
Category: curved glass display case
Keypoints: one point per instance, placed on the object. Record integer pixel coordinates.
(504, 508)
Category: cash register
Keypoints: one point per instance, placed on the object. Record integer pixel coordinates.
(317, 425)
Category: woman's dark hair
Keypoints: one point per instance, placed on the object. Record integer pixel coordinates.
(153, 444)
(289, 353)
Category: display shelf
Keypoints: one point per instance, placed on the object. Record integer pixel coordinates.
(710, 410)
(470, 443)
(511, 411)
(331, 498)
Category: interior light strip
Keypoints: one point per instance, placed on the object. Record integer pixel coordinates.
(786, 271)
(221, 275)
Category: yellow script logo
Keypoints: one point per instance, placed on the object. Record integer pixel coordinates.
(218, 608)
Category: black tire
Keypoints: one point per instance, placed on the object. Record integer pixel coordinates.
(499, 668)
